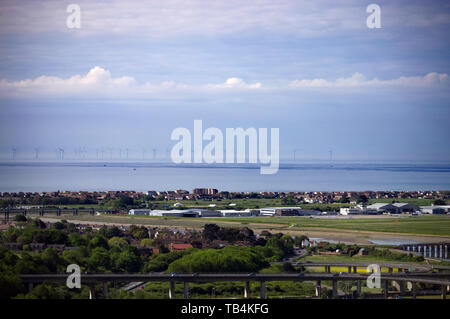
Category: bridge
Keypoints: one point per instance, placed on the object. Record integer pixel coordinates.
(438, 251)
(353, 266)
(437, 279)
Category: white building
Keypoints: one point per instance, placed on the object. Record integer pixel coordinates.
(144, 212)
(236, 213)
(350, 211)
(176, 212)
(359, 210)
(280, 211)
(433, 209)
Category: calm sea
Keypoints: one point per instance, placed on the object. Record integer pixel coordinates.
(95, 176)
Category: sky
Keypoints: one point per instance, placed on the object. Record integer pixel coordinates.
(136, 70)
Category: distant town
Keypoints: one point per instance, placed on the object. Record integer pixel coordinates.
(210, 202)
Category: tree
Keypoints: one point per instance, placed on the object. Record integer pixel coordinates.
(99, 260)
(39, 224)
(362, 199)
(10, 285)
(118, 241)
(146, 242)
(77, 240)
(51, 259)
(439, 202)
(287, 267)
(98, 241)
(210, 231)
(128, 261)
(59, 226)
(20, 218)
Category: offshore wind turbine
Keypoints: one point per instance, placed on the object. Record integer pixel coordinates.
(60, 150)
(36, 153)
(13, 152)
(154, 153)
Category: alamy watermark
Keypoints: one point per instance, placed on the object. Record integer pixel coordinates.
(74, 279)
(374, 19)
(235, 139)
(73, 21)
(374, 279)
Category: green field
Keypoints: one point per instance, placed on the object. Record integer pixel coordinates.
(432, 225)
(438, 225)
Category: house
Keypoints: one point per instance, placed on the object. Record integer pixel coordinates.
(178, 247)
(12, 246)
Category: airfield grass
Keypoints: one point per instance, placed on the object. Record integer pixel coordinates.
(425, 225)
(430, 225)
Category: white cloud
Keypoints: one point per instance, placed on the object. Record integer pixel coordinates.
(99, 82)
(359, 80)
(235, 83)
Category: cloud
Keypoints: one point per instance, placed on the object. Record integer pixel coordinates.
(96, 79)
(359, 80)
(235, 83)
(98, 82)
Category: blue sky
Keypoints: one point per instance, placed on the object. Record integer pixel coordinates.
(136, 70)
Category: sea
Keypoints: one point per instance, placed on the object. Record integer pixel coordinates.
(141, 176)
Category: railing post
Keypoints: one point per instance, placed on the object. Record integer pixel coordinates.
(318, 289)
(334, 291)
(186, 290)
(247, 290)
(358, 288)
(91, 291)
(262, 290)
(30, 286)
(172, 289)
(355, 269)
(105, 289)
(444, 292)
(413, 288)
(385, 289)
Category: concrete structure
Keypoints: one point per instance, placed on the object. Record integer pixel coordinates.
(143, 212)
(405, 208)
(176, 212)
(309, 212)
(396, 208)
(433, 210)
(350, 211)
(91, 279)
(280, 211)
(236, 213)
(359, 210)
(436, 251)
